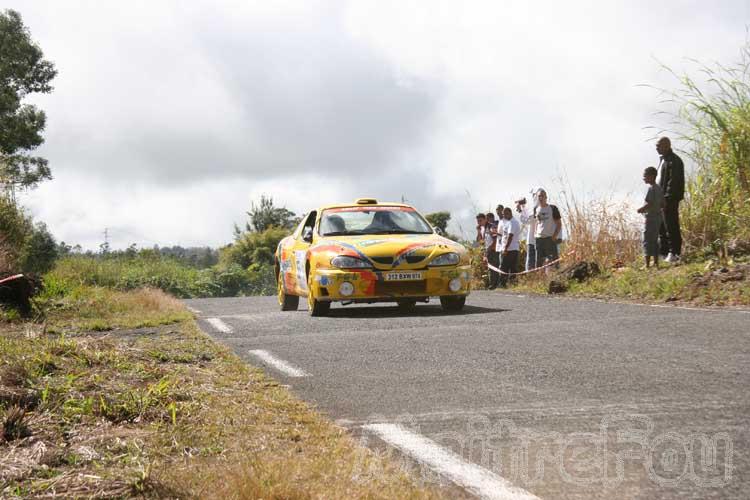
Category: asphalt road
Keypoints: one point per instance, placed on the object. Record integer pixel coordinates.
(562, 398)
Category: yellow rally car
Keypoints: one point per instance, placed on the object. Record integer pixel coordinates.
(369, 252)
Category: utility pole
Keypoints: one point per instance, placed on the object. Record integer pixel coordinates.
(104, 247)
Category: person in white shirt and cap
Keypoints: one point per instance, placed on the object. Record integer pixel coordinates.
(529, 220)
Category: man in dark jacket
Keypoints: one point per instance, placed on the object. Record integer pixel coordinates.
(672, 183)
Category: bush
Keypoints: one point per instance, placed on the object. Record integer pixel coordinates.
(252, 248)
(149, 269)
(40, 250)
(24, 246)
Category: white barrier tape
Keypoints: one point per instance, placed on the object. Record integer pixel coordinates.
(548, 264)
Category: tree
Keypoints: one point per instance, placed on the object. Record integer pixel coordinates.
(439, 220)
(253, 248)
(23, 71)
(41, 250)
(265, 215)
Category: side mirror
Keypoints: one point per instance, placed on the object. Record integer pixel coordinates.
(307, 234)
(439, 231)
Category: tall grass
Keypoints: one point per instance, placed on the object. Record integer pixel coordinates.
(602, 230)
(712, 116)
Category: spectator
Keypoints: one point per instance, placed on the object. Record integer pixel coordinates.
(499, 212)
(548, 228)
(672, 184)
(652, 215)
(481, 223)
(530, 222)
(493, 257)
(509, 246)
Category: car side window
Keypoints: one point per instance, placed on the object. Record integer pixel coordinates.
(298, 231)
(307, 228)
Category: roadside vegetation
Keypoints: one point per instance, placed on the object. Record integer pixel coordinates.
(119, 394)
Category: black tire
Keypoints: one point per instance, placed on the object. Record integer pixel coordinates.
(286, 302)
(406, 305)
(290, 303)
(315, 307)
(318, 308)
(453, 303)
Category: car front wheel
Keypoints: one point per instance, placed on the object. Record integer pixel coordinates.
(453, 303)
(314, 306)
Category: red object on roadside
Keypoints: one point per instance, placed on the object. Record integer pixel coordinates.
(11, 278)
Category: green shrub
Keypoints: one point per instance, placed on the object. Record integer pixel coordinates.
(154, 271)
(253, 248)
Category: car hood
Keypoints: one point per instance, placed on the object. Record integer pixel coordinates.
(389, 251)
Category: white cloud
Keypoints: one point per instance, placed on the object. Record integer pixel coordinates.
(168, 119)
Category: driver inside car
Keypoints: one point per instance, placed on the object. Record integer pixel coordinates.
(332, 224)
(381, 221)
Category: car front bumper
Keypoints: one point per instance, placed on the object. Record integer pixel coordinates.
(369, 284)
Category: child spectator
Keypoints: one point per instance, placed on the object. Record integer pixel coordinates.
(652, 217)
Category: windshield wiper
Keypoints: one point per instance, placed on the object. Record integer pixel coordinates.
(401, 231)
(342, 233)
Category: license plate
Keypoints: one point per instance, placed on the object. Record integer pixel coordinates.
(398, 276)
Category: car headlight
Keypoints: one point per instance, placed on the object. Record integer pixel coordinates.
(346, 262)
(447, 259)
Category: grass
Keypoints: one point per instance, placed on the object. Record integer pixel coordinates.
(148, 405)
(699, 283)
(147, 269)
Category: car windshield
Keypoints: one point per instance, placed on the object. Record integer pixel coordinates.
(372, 220)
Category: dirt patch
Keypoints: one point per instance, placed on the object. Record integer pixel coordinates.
(722, 275)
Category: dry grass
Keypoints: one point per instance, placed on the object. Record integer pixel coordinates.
(163, 412)
(89, 308)
(600, 230)
(275, 447)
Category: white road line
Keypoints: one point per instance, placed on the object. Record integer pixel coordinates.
(687, 308)
(193, 310)
(279, 364)
(474, 478)
(220, 325)
(717, 309)
(669, 306)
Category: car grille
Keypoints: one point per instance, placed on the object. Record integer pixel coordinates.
(411, 259)
(383, 260)
(400, 287)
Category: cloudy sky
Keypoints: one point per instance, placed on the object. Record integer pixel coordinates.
(169, 117)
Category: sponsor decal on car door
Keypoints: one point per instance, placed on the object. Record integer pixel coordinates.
(300, 261)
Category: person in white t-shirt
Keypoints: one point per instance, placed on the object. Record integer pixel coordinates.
(509, 246)
(548, 229)
(528, 219)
